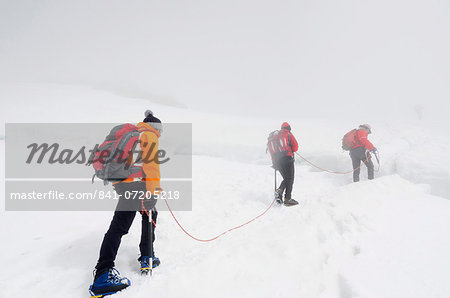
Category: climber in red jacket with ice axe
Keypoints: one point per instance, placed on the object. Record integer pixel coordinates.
(282, 145)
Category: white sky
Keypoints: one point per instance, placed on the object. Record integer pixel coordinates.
(308, 58)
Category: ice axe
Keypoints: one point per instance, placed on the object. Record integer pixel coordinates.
(375, 153)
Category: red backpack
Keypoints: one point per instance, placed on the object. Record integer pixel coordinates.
(349, 140)
(277, 145)
(111, 159)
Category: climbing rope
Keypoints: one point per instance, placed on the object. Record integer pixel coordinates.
(254, 218)
(336, 172)
(221, 234)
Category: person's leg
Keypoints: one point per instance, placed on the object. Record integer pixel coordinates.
(154, 217)
(120, 225)
(370, 167)
(356, 162)
(144, 246)
(282, 185)
(289, 178)
(282, 169)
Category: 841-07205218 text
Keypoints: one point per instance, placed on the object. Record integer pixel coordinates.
(95, 195)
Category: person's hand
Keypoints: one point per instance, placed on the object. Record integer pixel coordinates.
(374, 150)
(148, 202)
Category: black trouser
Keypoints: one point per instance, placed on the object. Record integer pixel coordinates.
(120, 225)
(287, 171)
(359, 155)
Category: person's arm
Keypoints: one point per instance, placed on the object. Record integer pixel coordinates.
(294, 143)
(150, 167)
(362, 137)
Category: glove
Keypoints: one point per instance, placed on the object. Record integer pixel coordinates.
(148, 203)
(150, 198)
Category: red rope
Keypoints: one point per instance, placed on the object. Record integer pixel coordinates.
(221, 234)
(335, 172)
(251, 220)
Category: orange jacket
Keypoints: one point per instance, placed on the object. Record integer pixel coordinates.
(150, 136)
(149, 143)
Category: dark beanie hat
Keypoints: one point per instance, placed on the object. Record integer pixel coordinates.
(153, 121)
(150, 118)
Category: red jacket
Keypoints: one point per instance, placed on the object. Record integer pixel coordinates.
(292, 145)
(362, 141)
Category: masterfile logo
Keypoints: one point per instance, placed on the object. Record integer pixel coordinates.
(49, 166)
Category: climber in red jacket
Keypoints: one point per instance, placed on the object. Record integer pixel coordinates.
(283, 161)
(360, 152)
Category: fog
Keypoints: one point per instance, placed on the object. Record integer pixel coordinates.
(270, 58)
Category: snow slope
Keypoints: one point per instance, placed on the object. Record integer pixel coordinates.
(385, 238)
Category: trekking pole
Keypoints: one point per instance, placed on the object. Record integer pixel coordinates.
(276, 194)
(150, 222)
(275, 176)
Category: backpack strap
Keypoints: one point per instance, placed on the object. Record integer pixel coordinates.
(144, 129)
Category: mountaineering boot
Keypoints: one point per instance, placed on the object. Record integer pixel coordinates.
(156, 261)
(279, 196)
(145, 263)
(108, 283)
(290, 202)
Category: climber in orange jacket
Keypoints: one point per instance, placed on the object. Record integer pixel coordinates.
(106, 279)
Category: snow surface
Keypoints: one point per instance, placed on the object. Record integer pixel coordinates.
(389, 237)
